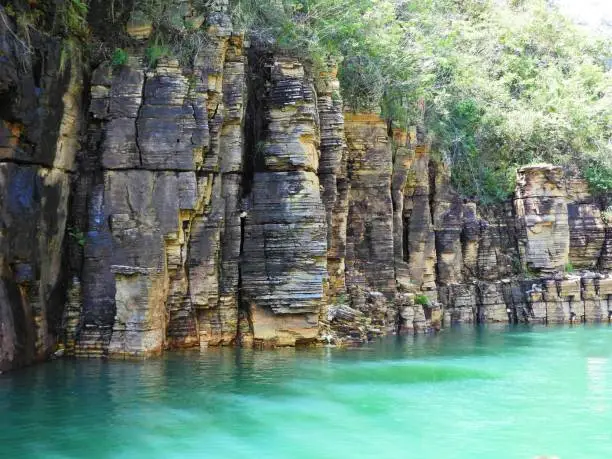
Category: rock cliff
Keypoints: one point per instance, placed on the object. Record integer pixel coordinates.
(234, 201)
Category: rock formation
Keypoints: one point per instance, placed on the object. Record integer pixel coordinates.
(41, 121)
(541, 210)
(285, 241)
(234, 201)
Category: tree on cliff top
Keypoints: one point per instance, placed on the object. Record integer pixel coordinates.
(503, 84)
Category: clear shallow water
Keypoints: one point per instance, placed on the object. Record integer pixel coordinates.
(492, 393)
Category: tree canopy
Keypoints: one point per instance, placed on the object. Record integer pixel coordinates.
(497, 84)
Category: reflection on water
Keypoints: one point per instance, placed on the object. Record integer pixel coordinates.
(466, 393)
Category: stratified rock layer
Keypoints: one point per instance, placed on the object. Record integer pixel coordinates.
(370, 274)
(285, 241)
(541, 210)
(161, 266)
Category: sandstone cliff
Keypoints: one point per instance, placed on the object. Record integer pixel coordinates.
(234, 201)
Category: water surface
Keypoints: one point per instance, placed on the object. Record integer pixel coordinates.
(491, 393)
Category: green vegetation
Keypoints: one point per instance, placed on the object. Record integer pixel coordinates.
(496, 85)
(421, 300)
(155, 52)
(119, 57)
(67, 18)
(530, 272)
(77, 235)
(41, 19)
(73, 14)
(177, 32)
(599, 177)
(569, 267)
(26, 20)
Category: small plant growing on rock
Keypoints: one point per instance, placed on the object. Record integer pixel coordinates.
(421, 300)
(569, 267)
(77, 235)
(75, 17)
(156, 52)
(119, 57)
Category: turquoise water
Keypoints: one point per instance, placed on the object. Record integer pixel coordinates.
(466, 393)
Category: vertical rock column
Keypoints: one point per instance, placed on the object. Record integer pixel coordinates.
(604, 291)
(97, 313)
(285, 244)
(412, 315)
(595, 304)
(161, 256)
(40, 128)
(208, 312)
(149, 190)
(587, 235)
(403, 157)
(215, 250)
(370, 267)
(541, 208)
(605, 260)
(587, 228)
(497, 250)
(420, 241)
(204, 248)
(333, 177)
(151, 136)
(448, 222)
(569, 307)
(492, 302)
(232, 154)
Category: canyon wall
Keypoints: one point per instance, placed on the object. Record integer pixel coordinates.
(234, 201)
(41, 107)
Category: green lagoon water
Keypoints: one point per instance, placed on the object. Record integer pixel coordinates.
(494, 393)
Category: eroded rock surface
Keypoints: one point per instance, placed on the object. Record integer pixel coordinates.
(370, 273)
(541, 210)
(40, 124)
(285, 242)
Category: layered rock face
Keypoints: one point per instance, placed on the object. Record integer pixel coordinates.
(233, 201)
(285, 241)
(541, 210)
(370, 275)
(161, 254)
(41, 97)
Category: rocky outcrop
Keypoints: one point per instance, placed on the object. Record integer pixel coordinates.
(420, 237)
(146, 124)
(234, 201)
(586, 226)
(333, 177)
(541, 210)
(285, 240)
(214, 248)
(41, 95)
(370, 273)
(161, 260)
